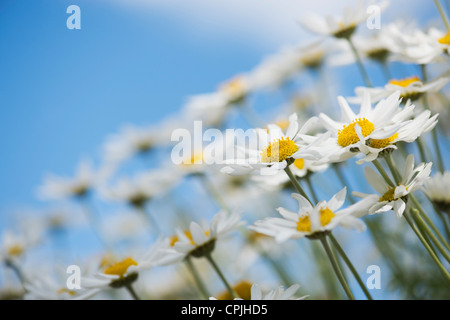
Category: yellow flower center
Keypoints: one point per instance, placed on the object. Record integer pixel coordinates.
(196, 158)
(235, 88)
(404, 82)
(347, 135)
(120, 268)
(15, 250)
(65, 290)
(279, 150)
(299, 163)
(304, 224)
(389, 195)
(242, 289)
(445, 39)
(382, 143)
(174, 239)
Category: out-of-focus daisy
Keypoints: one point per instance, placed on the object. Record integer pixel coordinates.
(133, 140)
(276, 69)
(410, 88)
(414, 45)
(248, 291)
(437, 188)
(312, 221)
(84, 180)
(395, 197)
(339, 27)
(15, 244)
(141, 188)
(373, 127)
(212, 108)
(272, 149)
(199, 240)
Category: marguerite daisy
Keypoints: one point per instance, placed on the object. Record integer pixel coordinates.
(273, 149)
(375, 128)
(396, 197)
(313, 221)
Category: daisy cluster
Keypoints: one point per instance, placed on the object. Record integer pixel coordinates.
(363, 174)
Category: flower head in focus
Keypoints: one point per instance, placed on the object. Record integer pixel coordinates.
(368, 130)
(273, 149)
(313, 221)
(199, 240)
(396, 197)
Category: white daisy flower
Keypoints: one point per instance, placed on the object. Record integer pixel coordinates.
(274, 149)
(339, 27)
(276, 69)
(211, 108)
(437, 188)
(312, 221)
(373, 127)
(410, 88)
(140, 188)
(133, 140)
(199, 239)
(256, 293)
(85, 179)
(395, 197)
(416, 46)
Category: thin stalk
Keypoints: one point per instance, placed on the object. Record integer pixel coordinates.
(221, 276)
(201, 286)
(421, 148)
(213, 192)
(311, 188)
(429, 223)
(360, 64)
(343, 180)
(422, 230)
(336, 269)
(393, 169)
(434, 132)
(427, 247)
(383, 173)
(296, 184)
(350, 266)
(441, 12)
(130, 289)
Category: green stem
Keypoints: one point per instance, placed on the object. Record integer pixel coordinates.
(221, 276)
(360, 64)
(427, 247)
(336, 269)
(213, 192)
(296, 184)
(350, 266)
(383, 173)
(343, 181)
(311, 188)
(434, 132)
(429, 222)
(421, 148)
(130, 289)
(393, 169)
(198, 280)
(441, 12)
